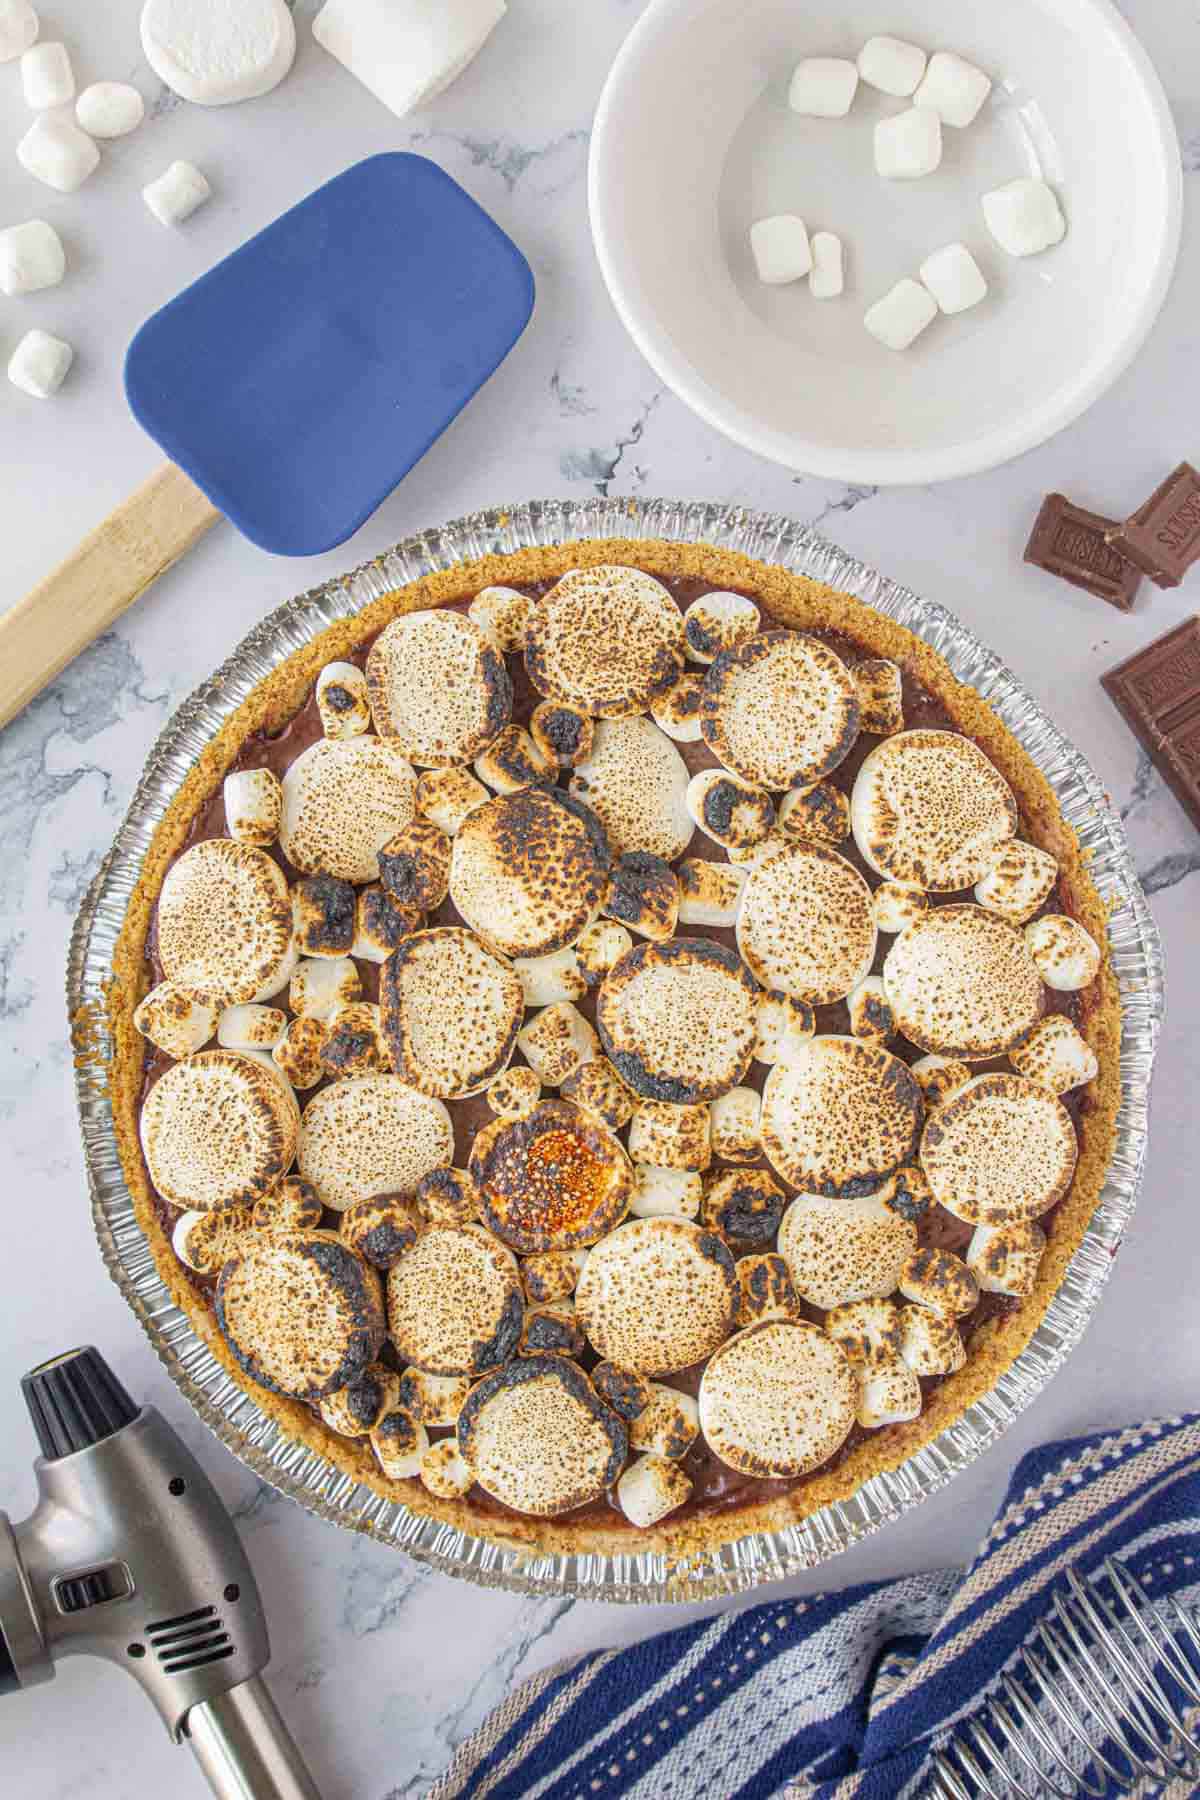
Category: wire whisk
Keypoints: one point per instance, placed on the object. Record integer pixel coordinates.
(1104, 1696)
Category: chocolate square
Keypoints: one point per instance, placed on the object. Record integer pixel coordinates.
(1163, 536)
(1072, 543)
(1158, 694)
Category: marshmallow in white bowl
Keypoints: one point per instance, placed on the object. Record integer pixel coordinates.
(823, 87)
(826, 279)
(908, 145)
(953, 88)
(954, 278)
(110, 109)
(406, 51)
(18, 28)
(31, 257)
(780, 248)
(891, 65)
(47, 76)
(55, 151)
(215, 54)
(902, 315)
(40, 363)
(1024, 217)
(177, 193)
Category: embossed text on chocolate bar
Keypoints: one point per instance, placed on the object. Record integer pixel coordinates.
(1070, 542)
(1158, 694)
(1163, 536)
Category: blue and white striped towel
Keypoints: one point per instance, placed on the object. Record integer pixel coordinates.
(847, 1694)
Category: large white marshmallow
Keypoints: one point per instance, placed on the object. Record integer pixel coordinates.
(902, 315)
(177, 193)
(110, 109)
(1024, 217)
(55, 151)
(826, 279)
(954, 278)
(780, 248)
(406, 51)
(823, 87)
(39, 364)
(18, 28)
(909, 144)
(47, 76)
(214, 52)
(31, 257)
(891, 65)
(953, 88)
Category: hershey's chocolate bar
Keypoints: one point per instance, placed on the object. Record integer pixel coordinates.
(1158, 694)
(1163, 536)
(1072, 543)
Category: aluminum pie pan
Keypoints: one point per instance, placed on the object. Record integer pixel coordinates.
(302, 1473)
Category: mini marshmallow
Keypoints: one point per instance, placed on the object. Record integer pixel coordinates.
(889, 1396)
(1055, 1054)
(47, 76)
(954, 279)
(820, 813)
(175, 1021)
(399, 1442)
(665, 1193)
(380, 924)
(406, 51)
(823, 87)
(55, 151)
(709, 892)
(18, 28)
(939, 1280)
(867, 1331)
(298, 1052)
(355, 1411)
(596, 1088)
(1067, 956)
(650, 1488)
(782, 1023)
(250, 1027)
(938, 1077)
(514, 1092)
(253, 806)
(600, 948)
(414, 865)
(780, 248)
(502, 614)
(643, 894)
(39, 364)
(443, 1471)
(765, 1290)
(31, 257)
(1004, 1259)
(871, 1015)
(449, 1197)
(929, 1342)
(564, 734)
(827, 277)
(203, 1241)
(891, 65)
(545, 979)
(354, 1042)
(549, 1275)
(433, 1399)
(551, 1329)
(556, 1040)
(909, 145)
(1021, 877)
(623, 1391)
(512, 760)
(342, 700)
(744, 1205)
(907, 1193)
(894, 908)
(736, 1125)
(321, 986)
(953, 88)
(323, 911)
(1024, 217)
(734, 813)
(879, 685)
(447, 796)
(671, 1137)
(668, 1425)
(718, 621)
(902, 315)
(177, 193)
(110, 109)
(292, 1206)
(677, 712)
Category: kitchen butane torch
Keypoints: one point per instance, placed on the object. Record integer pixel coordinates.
(131, 1555)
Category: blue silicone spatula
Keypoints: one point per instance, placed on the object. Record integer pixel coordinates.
(292, 388)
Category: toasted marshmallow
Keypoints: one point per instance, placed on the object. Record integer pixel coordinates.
(354, 1042)
(356, 1410)
(556, 1041)
(553, 1180)
(840, 1250)
(709, 892)
(657, 1295)
(879, 685)
(443, 1471)
(371, 1134)
(512, 760)
(550, 1276)
(217, 1129)
(929, 810)
(342, 700)
(596, 1088)
(382, 1228)
(447, 796)
(668, 1425)
(250, 1027)
(777, 1400)
(451, 1010)
(1067, 956)
(895, 908)
(820, 813)
(253, 806)
(782, 1025)
(224, 922)
(529, 871)
(514, 1092)
(938, 1077)
(644, 895)
(1004, 1259)
(204, 1241)
(1001, 1152)
(624, 1391)
(744, 1205)
(805, 925)
(564, 735)
(907, 1193)
(889, 1396)
(765, 1290)
(381, 925)
(545, 979)
(780, 710)
(677, 712)
(930, 1343)
(939, 1280)
(636, 783)
(1055, 1055)
(679, 1020)
(455, 1302)
(448, 1197)
(501, 613)
(302, 1314)
(867, 1331)
(737, 1125)
(414, 865)
(434, 1399)
(871, 1016)
(538, 1437)
(439, 690)
(320, 988)
(550, 1328)
(962, 983)
(323, 916)
(1020, 878)
(292, 1206)
(600, 948)
(608, 640)
(665, 1193)
(840, 1112)
(716, 622)
(297, 1055)
(175, 1020)
(342, 799)
(650, 1488)
(400, 1443)
(733, 813)
(671, 1137)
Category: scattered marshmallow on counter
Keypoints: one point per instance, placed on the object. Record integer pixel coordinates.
(781, 249)
(823, 87)
(110, 109)
(39, 364)
(47, 76)
(826, 278)
(176, 194)
(1024, 217)
(215, 55)
(902, 315)
(891, 65)
(406, 51)
(954, 278)
(31, 257)
(18, 28)
(55, 151)
(908, 145)
(954, 88)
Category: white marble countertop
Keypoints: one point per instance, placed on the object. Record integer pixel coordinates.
(381, 1667)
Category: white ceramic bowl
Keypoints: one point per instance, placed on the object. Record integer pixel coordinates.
(693, 140)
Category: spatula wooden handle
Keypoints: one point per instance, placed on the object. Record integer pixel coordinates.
(115, 563)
